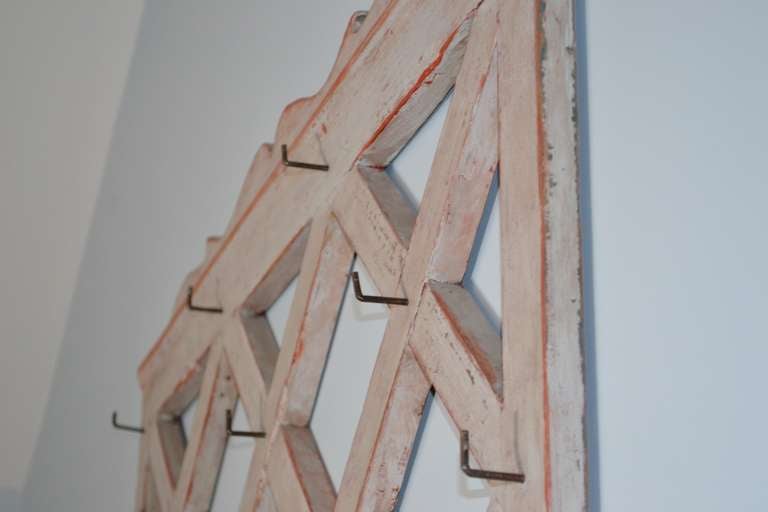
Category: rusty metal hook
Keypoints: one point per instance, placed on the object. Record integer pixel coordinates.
(398, 301)
(300, 165)
(192, 307)
(120, 426)
(480, 473)
(240, 433)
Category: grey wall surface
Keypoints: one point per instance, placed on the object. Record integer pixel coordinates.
(676, 172)
(63, 66)
(674, 215)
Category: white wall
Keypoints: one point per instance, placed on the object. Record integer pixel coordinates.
(674, 245)
(677, 184)
(62, 70)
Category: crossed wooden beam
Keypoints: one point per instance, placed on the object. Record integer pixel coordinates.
(520, 396)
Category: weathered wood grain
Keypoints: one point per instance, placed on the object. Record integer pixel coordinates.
(357, 105)
(277, 278)
(436, 205)
(298, 478)
(399, 427)
(161, 472)
(461, 355)
(173, 441)
(146, 499)
(521, 396)
(543, 381)
(378, 221)
(316, 329)
(205, 448)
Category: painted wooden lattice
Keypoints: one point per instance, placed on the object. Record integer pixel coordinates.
(511, 64)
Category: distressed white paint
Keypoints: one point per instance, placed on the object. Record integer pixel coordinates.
(676, 240)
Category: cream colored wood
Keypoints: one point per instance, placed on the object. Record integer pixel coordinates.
(202, 459)
(146, 499)
(378, 222)
(316, 328)
(436, 207)
(161, 473)
(461, 355)
(520, 395)
(544, 384)
(296, 474)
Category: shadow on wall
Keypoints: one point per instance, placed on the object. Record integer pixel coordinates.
(588, 308)
(10, 500)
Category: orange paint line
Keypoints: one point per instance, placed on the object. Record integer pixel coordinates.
(422, 80)
(273, 175)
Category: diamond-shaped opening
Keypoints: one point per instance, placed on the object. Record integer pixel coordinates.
(188, 416)
(176, 417)
(483, 276)
(233, 475)
(410, 168)
(278, 313)
(265, 331)
(348, 370)
(434, 465)
(281, 273)
(204, 421)
(265, 312)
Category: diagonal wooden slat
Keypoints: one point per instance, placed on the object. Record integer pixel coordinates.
(317, 327)
(146, 499)
(313, 314)
(256, 495)
(513, 104)
(347, 116)
(151, 499)
(277, 278)
(472, 109)
(173, 390)
(161, 474)
(173, 441)
(378, 221)
(398, 429)
(252, 349)
(316, 305)
(460, 354)
(297, 476)
(205, 449)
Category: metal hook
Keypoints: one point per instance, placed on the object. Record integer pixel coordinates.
(371, 298)
(240, 433)
(124, 427)
(480, 473)
(192, 307)
(300, 165)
